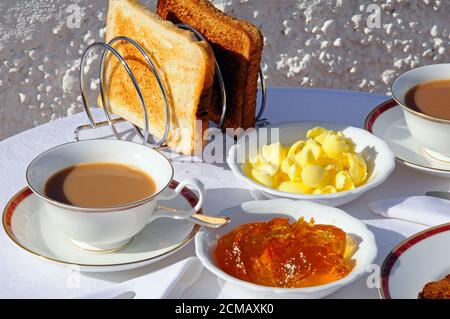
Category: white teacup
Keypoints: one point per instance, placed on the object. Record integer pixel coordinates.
(108, 229)
(433, 133)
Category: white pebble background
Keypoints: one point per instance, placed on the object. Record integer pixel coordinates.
(343, 44)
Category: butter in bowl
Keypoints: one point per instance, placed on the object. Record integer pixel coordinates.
(327, 163)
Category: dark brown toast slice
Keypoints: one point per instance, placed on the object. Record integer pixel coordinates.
(237, 46)
(437, 290)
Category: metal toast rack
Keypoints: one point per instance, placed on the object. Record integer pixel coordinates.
(144, 133)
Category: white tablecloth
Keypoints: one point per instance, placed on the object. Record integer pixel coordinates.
(23, 275)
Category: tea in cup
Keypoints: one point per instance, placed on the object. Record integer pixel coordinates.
(101, 193)
(424, 95)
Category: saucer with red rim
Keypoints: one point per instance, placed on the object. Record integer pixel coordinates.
(388, 123)
(418, 260)
(26, 224)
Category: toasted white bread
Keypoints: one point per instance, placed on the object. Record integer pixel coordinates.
(237, 46)
(185, 65)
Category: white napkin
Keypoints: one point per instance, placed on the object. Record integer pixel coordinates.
(169, 282)
(425, 210)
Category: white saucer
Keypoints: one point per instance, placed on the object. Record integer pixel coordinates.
(387, 122)
(26, 224)
(416, 261)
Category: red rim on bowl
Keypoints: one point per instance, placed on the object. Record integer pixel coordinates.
(399, 250)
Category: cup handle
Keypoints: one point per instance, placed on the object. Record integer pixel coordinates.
(162, 211)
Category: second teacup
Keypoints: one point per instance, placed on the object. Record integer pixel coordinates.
(432, 132)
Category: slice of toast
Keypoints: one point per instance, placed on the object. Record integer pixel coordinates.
(436, 290)
(185, 65)
(237, 45)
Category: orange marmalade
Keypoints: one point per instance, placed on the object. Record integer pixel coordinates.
(279, 254)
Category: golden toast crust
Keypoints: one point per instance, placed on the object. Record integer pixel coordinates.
(185, 65)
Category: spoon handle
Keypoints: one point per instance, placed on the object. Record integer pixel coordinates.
(203, 220)
(209, 221)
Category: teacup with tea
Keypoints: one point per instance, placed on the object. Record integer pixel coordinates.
(101, 193)
(424, 95)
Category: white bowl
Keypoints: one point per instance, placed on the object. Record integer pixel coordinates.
(380, 160)
(433, 133)
(206, 241)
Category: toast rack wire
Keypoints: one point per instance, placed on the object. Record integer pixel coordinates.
(108, 47)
